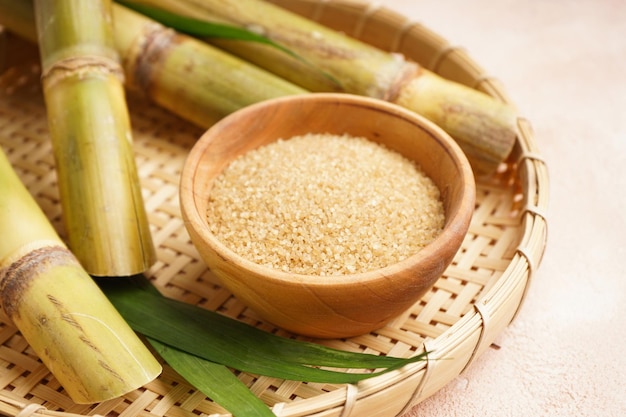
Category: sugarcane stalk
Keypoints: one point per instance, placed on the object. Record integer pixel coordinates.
(193, 80)
(322, 53)
(163, 63)
(57, 307)
(88, 120)
(484, 127)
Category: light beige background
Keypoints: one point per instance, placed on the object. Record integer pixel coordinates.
(563, 63)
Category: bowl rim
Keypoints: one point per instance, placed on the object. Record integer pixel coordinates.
(457, 222)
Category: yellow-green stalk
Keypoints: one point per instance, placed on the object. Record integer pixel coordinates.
(196, 81)
(103, 208)
(484, 127)
(199, 82)
(58, 308)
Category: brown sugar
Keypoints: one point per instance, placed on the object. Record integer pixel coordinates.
(322, 204)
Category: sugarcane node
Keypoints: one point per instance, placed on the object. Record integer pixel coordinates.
(16, 278)
(81, 64)
(156, 41)
(409, 71)
(483, 127)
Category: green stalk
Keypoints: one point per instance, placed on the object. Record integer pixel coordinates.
(484, 127)
(89, 126)
(357, 68)
(202, 85)
(57, 307)
(196, 81)
(188, 77)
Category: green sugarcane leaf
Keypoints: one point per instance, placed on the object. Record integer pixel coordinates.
(226, 341)
(215, 381)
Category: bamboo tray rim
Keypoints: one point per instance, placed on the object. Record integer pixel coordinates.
(496, 307)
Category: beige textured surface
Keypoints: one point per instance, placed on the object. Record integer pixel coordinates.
(564, 64)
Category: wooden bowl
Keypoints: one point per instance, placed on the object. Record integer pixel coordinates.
(323, 306)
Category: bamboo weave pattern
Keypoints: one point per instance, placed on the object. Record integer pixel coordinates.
(478, 296)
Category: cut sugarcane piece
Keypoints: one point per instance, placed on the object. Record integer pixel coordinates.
(484, 127)
(103, 208)
(194, 80)
(164, 65)
(481, 125)
(57, 307)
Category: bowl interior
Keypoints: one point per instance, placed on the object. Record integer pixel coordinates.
(347, 304)
(400, 130)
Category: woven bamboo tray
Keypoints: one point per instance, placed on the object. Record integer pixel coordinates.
(478, 296)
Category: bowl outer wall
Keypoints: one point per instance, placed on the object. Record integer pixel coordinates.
(337, 306)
